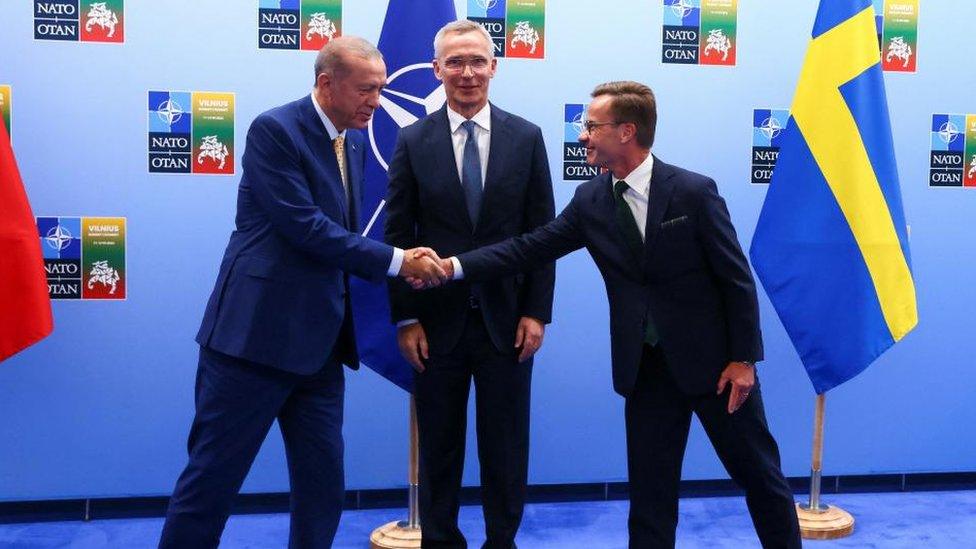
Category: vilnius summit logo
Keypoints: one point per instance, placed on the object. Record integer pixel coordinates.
(84, 257)
(517, 27)
(80, 20)
(699, 32)
(767, 130)
(953, 154)
(897, 25)
(191, 132)
(575, 167)
(298, 24)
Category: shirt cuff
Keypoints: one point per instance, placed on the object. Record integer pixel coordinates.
(458, 271)
(395, 263)
(407, 322)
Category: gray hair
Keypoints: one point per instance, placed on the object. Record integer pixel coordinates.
(462, 26)
(332, 57)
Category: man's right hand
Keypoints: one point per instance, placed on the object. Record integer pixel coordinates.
(413, 344)
(417, 284)
(423, 264)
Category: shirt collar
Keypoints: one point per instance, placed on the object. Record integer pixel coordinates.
(640, 178)
(481, 118)
(329, 126)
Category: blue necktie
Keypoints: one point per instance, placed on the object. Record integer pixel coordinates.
(471, 173)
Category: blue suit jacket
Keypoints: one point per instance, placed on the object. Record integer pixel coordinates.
(692, 276)
(280, 296)
(426, 207)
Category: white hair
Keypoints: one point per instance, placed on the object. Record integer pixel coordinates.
(462, 26)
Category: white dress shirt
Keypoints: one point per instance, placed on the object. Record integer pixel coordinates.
(482, 132)
(638, 188)
(397, 261)
(459, 137)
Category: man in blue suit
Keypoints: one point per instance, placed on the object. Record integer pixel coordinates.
(278, 328)
(684, 318)
(468, 175)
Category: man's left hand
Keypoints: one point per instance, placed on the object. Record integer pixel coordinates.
(529, 337)
(742, 376)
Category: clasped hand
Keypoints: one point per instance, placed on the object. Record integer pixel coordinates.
(444, 265)
(422, 268)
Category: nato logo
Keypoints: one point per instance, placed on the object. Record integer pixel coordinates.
(768, 126)
(80, 20)
(682, 25)
(575, 167)
(61, 248)
(279, 24)
(490, 14)
(411, 93)
(56, 20)
(170, 128)
(682, 13)
(298, 24)
(947, 158)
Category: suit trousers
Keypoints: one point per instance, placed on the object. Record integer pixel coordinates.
(658, 417)
(236, 403)
(502, 389)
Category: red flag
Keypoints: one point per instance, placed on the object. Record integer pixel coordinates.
(25, 308)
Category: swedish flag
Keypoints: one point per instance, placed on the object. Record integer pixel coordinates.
(831, 247)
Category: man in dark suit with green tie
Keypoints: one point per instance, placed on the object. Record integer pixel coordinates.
(684, 318)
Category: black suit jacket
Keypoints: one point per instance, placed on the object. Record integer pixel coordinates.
(692, 277)
(425, 207)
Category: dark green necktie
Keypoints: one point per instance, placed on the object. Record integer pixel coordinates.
(632, 235)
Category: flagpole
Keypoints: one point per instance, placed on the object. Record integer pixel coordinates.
(821, 521)
(404, 534)
(413, 505)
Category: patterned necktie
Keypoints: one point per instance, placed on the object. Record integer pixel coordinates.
(339, 144)
(471, 173)
(632, 235)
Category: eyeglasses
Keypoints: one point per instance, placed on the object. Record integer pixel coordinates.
(589, 126)
(457, 64)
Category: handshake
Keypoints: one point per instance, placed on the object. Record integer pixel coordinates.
(422, 268)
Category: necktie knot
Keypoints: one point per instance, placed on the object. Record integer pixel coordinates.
(468, 126)
(619, 188)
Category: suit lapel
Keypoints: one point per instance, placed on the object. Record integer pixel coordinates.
(439, 142)
(354, 155)
(659, 196)
(323, 151)
(500, 149)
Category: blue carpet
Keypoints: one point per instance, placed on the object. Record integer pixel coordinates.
(931, 520)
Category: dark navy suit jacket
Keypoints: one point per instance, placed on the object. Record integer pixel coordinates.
(426, 207)
(280, 296)
(692, 277)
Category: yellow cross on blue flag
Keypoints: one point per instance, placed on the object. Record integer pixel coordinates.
(831, 246)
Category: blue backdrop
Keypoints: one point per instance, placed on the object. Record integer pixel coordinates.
(103, 406)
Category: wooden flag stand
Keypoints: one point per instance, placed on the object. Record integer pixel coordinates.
(404, 534)
(821, 521)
